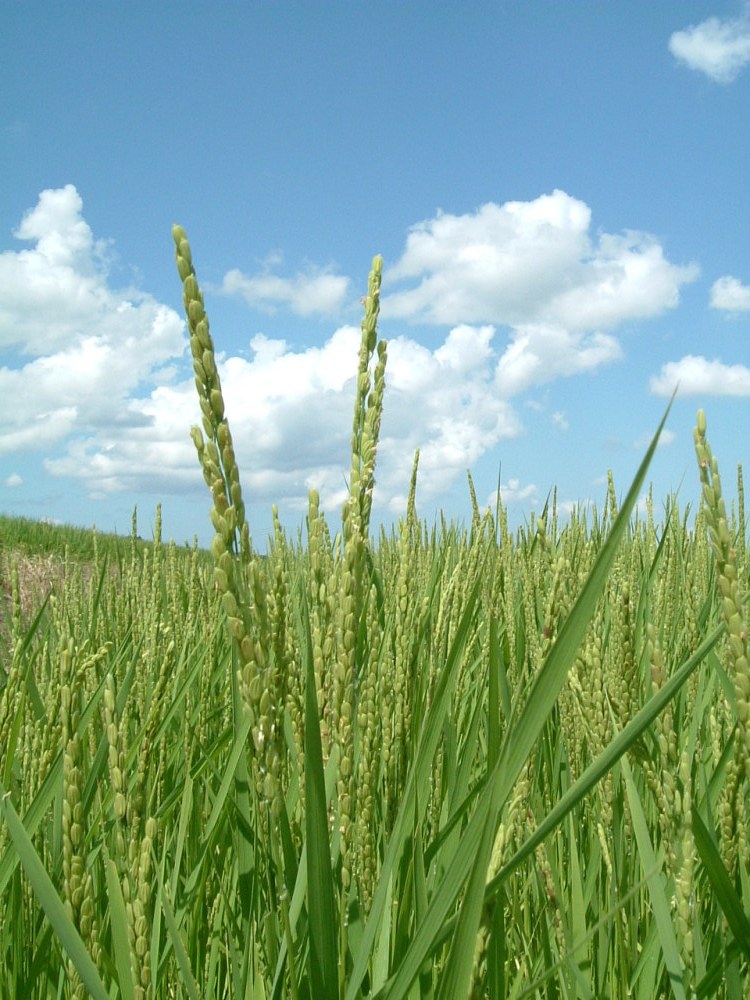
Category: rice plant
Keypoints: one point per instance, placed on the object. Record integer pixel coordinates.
(448, 761)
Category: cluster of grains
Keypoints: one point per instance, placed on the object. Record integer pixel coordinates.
(725, 556)
(368, 407)
(322, 606)
(396, 692)
(77, 882)
(237, 574)
(732, 807)
(661, 768)
(684, 899)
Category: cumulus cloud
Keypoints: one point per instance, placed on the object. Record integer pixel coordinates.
(290, 412)
(718, 47)
(730, 294)
(306, 294)
(533, 262)
(445, 402)
(149, 450)
(13, 481)
(535, 268)
(81, 348)
(696, 375)
(538, 354)
(514, 493)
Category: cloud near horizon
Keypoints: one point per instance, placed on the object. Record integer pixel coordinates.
(100, 380)
(717, 47)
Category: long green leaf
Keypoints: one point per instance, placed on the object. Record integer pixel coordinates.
(729, 901)
(175, 938)
(51, 903)
(493, 720)
(244, 832)
(656, 886)
(606, 760)
(320, 898)
(456, 976)
(596, 770)
(186, 805)
(32, 819)
(296, 906)
(119, 925)
(230, 773)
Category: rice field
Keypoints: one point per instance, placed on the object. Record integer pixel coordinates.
(446, 761)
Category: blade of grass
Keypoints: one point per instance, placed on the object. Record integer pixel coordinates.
(188, 980)
(596, 770)
(716, 973)
(606, 760)
(230, 773)
(496, 952)
(320, 896)
(244, 833)
(185, 807)
(51, 903)
(729, 901)
(656, 886)
(32, 819)
(296, 906)
(420, 902)
(577, 905)
(456, 976)
(493, 721)
(119, 927)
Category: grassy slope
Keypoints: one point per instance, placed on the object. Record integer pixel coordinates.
(39, 551)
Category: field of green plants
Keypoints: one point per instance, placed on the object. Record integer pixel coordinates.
(449, 761)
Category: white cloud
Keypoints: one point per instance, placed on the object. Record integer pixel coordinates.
(730, 294)
(13, 481)
(306, 294)
(560, 421)
(444, 402)
(539, 354)
(149, 450)
(513, 493)
(290, 413)
(40, 429)
(82, 348)
(719, 48)
(534, 267)
(531, 263)
(696, 375)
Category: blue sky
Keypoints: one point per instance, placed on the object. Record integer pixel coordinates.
(559, 192)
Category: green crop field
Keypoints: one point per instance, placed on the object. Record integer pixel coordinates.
(449, 761)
